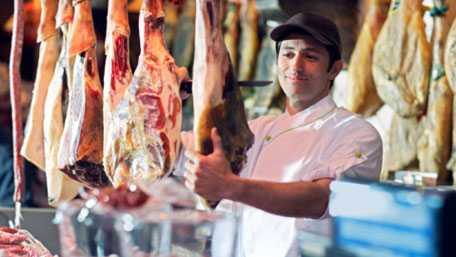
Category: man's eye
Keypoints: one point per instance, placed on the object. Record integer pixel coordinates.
(312, 57)
(289, 55)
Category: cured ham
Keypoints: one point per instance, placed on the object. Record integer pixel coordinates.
(59, 186)
(435, 142)
(249, 42)
(231, 30)
(450, 56)
(218, 99)
(117, 78)
(33, 147)
(150, 112)
(402, 147)
(362, 95)
(402, 59)
(450, 71)
(451, 165)
(81, 145)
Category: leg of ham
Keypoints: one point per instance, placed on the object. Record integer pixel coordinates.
(59, 186)
(362, 95)
(450, 71)
(402, 59)
(149, 115)
(81, 151)
(33, 147)
(116, 79)
(217, 99)
(249, 41)
(434, 145)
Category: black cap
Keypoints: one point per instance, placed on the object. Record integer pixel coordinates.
(319, 27)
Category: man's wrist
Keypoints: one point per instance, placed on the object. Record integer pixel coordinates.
(234, 188)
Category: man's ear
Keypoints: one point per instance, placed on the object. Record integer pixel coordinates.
(335, 69)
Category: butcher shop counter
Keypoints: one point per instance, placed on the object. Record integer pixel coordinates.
(386, 219)
(368, 219)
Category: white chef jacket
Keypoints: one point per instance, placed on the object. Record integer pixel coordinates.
(322, 141)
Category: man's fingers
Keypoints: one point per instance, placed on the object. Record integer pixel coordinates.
(216, 140)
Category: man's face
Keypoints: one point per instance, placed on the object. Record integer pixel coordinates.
(303, 69)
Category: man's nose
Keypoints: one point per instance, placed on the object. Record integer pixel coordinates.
(297, 62)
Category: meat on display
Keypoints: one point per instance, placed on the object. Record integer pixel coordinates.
(218, 101)
(149, 116)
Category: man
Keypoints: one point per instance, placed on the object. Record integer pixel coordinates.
(284, 185)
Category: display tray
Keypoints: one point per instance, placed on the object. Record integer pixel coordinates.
(37, 221)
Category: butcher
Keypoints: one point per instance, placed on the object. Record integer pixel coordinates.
(284, 185)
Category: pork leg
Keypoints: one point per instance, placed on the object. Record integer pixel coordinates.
(150, 113)
(81, 151)
(218, 101)
(33, 147)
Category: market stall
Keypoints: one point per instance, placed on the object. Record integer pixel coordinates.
(118, 85)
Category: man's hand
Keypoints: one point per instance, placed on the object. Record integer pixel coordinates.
(209, 175)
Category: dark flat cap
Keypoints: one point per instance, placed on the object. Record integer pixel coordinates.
(319, 27)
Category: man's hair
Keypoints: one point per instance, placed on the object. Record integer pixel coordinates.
(333, 52)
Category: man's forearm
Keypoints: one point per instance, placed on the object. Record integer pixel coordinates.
(296, 199)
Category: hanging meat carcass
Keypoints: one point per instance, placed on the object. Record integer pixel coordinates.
(450, 56)
(150, 112)
(249, 42)
(435, 142)
(362, 95)
(116, 79)
(59, 186)
(231, 30)
(402, 59)
(450, 71)
(33, 147)
(402, 147)
(218, 101)
(81, 146)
